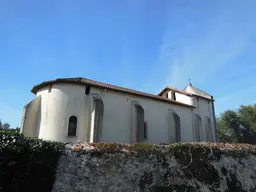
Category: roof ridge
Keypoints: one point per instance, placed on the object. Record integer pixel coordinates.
(184, 92)
(200, 90)
(85, 81)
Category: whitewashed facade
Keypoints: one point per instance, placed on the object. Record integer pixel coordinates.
(78, 109)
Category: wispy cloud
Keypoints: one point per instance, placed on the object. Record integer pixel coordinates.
(199, 51)
(205, 50)
(239, 97)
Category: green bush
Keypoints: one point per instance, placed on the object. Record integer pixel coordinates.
(27, 164)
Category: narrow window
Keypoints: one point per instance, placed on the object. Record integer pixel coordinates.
(174, 127)
(208, 130)
(98, 119)
(140, 124)
(198, 128)
(50, 88)
(87, 90)
(72, 125)
(173, 95)
(145, 131)
(177, 127)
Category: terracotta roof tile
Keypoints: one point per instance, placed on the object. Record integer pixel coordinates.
(182, 92)
(84, 81)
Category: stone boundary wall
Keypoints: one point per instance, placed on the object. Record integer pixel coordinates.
(106, 167)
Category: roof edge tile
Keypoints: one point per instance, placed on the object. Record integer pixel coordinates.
(84, 81)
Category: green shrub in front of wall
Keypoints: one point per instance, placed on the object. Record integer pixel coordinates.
(27, 164)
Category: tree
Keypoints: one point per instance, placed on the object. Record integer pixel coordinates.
(247, 114)
(4, 126)
(238, 126)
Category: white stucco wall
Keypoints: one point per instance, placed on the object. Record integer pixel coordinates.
(66, 100)
(183, 98)
(31, 118)
(169, 94)
(179, 97)
(117, 118)
(203, 109)
(57, 106)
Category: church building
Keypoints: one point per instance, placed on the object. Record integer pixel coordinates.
(80, 109)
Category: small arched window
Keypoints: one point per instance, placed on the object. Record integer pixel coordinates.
(176, 119)
(174, 129)
(72, 125)
(198, 128)
(140, 123)
(209, 130)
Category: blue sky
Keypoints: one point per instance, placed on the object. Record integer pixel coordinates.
(140, 44)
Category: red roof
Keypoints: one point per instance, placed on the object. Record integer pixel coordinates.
(84, 81)
(182, 92)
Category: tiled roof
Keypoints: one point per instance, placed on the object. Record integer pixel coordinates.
(193, 90)
(183, 92)
(84, 81)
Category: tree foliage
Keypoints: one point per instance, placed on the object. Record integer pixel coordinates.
(238, 126)
(5, 126)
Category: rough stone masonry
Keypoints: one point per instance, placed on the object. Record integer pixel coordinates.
(180, 167)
